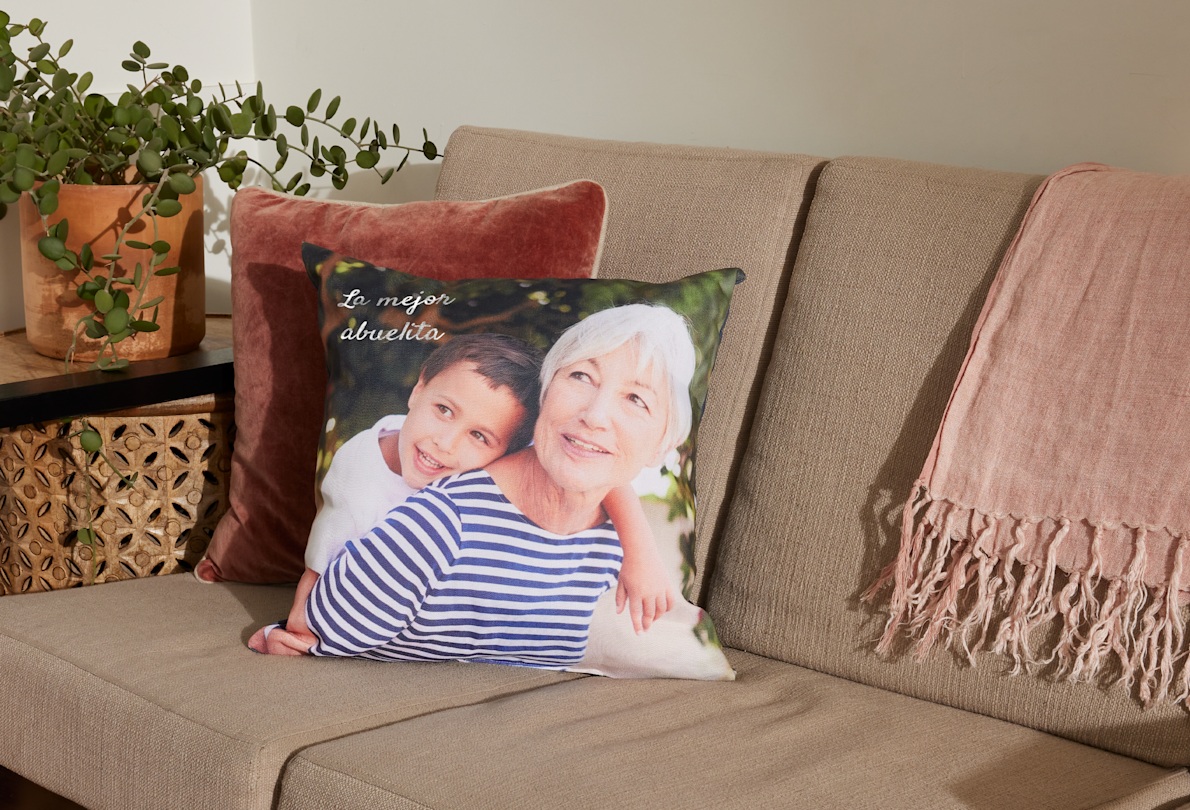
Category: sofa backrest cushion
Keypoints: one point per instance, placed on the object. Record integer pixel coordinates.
(891, 274)
(672, 211)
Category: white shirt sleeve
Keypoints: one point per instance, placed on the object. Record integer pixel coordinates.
(358, 490)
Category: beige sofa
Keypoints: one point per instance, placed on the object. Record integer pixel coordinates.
(865, 276)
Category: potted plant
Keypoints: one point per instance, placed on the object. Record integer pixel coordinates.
(110, 188)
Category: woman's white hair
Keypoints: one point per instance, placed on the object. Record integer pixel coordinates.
(662, 340)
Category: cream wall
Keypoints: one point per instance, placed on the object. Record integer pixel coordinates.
(1014, 84)
(1027, 85)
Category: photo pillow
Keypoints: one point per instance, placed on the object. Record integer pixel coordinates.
(502, 461)
(280, 373)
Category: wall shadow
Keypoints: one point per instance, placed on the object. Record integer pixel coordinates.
(12, 302)
(415, 182)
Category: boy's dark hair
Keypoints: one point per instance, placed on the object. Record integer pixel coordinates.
(504, 361)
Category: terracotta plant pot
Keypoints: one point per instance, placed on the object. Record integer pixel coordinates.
(96, 215)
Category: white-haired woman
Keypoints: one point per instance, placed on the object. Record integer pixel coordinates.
(505, 564)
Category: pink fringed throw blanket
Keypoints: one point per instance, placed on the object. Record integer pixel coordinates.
(1051, 522)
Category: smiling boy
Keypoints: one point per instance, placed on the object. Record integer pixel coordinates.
(476, 399)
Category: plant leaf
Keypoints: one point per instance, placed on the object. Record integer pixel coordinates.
(183, 184)
(51, 247)
(241, 124)
(23, 179)
(116, 319)
(168, 208)
(222, 117)
(150, 163)
(91, 441)
(57, 163)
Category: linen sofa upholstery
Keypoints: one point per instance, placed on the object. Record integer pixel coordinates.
(141, 694)
(780, 737)
(672, 211)
(890, 277)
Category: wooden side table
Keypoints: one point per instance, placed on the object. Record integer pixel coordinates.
(169, 421)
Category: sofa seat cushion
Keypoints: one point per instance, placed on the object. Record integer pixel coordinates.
(780, 736)
(190, 717)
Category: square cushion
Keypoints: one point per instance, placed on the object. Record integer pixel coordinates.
(780, 737)
(140, 695)
(279, 367)
(511, 411)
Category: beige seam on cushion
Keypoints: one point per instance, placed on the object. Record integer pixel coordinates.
(1175, 774)
(634, 148)
(380, 785)
(858, 163)
(550, 678)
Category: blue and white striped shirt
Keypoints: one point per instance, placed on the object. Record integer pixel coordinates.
(457, 572)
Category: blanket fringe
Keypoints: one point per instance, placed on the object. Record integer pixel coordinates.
(951, 588)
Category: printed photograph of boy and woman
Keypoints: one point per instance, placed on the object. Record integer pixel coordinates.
(506, 474)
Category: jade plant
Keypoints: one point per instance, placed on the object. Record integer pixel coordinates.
(161, 131)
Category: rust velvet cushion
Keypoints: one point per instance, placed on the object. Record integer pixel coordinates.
(280, 372)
